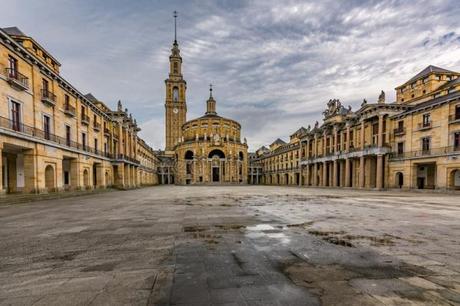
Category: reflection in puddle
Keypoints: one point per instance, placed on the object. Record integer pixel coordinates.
(266, 231)
(261, 227)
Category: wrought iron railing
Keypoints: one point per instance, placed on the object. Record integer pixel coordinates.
(455, 117)
(424, 125)
(84, 119)
(48, 96)
(426, 153)
(17, 77)
(97, 126)
(69, 109)
(41, 134)
(399, 131)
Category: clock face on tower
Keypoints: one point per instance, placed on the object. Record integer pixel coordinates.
(175, 110)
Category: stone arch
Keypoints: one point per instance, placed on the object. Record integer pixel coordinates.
(216, 152)
(188, 155)
(399, 179)
(86, 178)
(454, 179)
(49, 178)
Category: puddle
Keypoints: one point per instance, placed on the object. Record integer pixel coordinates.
(260, 227)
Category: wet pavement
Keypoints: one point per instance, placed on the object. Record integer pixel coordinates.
(247, 245)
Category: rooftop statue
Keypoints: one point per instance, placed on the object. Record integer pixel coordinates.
(381, 97)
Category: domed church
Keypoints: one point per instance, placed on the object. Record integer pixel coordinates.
(205, 150)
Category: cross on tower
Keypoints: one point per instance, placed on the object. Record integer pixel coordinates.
(175, 26)
(210, 90)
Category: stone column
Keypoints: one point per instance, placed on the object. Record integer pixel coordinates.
(347, 143)
(324, 180)
(380, 131)
(334, 173)
(30, 172)
(347, 172)
(379, 171)
(361, 172)
(315, 174)
(363, 127)
(307, 179)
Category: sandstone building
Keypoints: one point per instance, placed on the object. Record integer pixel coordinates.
(53, 137)
(205, 150)
(411, 143)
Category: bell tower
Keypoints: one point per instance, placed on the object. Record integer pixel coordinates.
(175, 105)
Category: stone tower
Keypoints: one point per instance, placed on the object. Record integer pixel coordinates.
(175, 105)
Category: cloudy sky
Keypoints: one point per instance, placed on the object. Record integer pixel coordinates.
(274, 64)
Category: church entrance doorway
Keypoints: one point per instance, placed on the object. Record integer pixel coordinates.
(215, 174)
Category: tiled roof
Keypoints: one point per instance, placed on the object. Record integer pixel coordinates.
(13, 31)
(427, 71)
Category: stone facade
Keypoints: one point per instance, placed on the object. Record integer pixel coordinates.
(411, 143)
(206, 150)
(52, 137)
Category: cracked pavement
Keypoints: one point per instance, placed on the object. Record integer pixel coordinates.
(232, 245)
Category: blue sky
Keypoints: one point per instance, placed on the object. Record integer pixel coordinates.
(274, 64)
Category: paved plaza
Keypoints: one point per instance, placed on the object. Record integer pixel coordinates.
(245, 245)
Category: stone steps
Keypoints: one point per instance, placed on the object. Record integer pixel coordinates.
(8, 199)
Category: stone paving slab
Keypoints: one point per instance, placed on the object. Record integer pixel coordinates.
(245, 245)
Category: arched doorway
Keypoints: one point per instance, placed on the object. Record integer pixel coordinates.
(217, 157)
(399, 179)
(454, 179)
(286, 179)
(49, 178)
(107, 179)
(188, 166)
(85, 178)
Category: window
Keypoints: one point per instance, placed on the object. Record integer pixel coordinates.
(175, 94)
(426, 120)
(400, 125)
(13, 67)
(47, 126)
(457, 112)
(400, 148)
(175, 68)
(83, 141)
(15, 116)
(457, 141)
(95, 145)
(426, 144)
(66, 178)
(66, 101)
(45, 86)
(105, 147)
(67, 135)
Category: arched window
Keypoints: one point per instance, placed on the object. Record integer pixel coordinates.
(188, 155)
(217, 153)
(241, 156)
(175, 94)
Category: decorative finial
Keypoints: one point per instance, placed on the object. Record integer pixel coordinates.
(210, 90)
(175, 26)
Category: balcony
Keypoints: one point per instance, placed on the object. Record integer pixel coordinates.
(84, 119)
(433, 152)
(69, 110)
(399, 131)
(16, 79)
(106, 132)
(48, 97)
(454, 118)
(96, 126)
(424, 126)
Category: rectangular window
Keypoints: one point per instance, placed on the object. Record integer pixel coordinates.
(47, 126)
(457, 141)
(426, 144)
(13, 67)
(83, 141)
(400, 125)
(457, 112)
(426, 120)
(66, 101)
(66, 178)
(400, 147)
(15, 116)
(45, 85)
(95, 145)
(67, 135)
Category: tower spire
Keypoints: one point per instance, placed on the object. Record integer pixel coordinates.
(175, 27)
(211, 103)
(210, 90)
